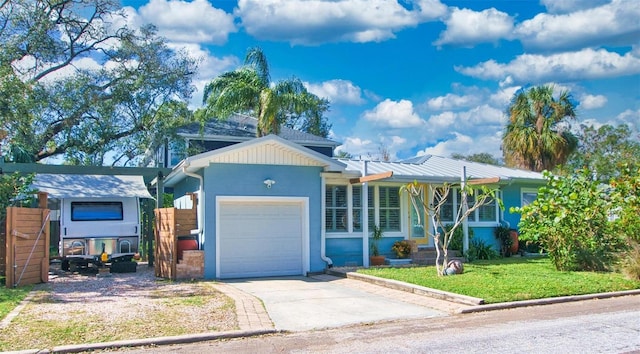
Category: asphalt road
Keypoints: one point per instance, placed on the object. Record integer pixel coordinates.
(592, 326)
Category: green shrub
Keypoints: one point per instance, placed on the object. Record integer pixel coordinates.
(630, 262)
(503, 234)
(570, 220)
(456, 239)
(478, 249)
(625, 196)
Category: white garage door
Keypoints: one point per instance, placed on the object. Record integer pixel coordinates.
(260, 238)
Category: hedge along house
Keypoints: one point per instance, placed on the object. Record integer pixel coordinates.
(272, 207)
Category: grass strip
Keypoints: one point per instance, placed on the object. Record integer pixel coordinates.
(510, 279)
(11, 297)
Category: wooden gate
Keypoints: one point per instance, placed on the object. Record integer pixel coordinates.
(166, 256)
(27, 246)
(170, 224)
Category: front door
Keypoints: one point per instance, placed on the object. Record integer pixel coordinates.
(418, 223)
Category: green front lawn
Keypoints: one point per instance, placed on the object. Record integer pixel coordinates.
(10, 298)
(510, 279)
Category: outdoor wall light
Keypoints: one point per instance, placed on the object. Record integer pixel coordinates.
(269, 182)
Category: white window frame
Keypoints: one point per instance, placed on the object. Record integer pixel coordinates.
(328, 207)
(350, 233)
(527, 190)
(474, 217)
(378, 208)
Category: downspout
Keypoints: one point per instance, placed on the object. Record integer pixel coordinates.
(198, 230)
(323, 227)
(465, 207)
(365, 217)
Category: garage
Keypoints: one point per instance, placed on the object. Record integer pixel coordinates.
(261, 237)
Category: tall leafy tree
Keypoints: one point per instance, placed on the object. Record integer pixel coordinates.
(604, 151)
(74, 84)
(482, 157)
(249, 90)
(537, 135)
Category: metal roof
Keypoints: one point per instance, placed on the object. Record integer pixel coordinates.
(241, 127)
(90, 186)
(430, 168)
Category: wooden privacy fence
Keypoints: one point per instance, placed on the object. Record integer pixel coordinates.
(27, 246)
(3, 250)
(172, 223)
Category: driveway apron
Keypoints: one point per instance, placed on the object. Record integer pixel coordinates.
(303, 303)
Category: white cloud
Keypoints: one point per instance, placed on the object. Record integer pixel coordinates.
(321, 21)
(195, 21)
(503, 97)
(442, 120)
(357, 146)
(457, 144)
(535, 68)
(592, 101)
(479, 117)
(430, 9)
(452, 101)
(508, 81)
(630, 117)
(466, 145)
(467, 27)
(613, 23)
(565, 6)
(394, 114)
(482, 116)
(337, 91)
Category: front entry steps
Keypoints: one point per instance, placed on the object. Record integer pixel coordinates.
(191, 266)
(427, 256)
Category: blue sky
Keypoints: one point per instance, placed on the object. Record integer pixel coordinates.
(423, 76)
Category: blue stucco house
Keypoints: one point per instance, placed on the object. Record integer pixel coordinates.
(282, 205)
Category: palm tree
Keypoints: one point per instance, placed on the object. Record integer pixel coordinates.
(536, 137)
(249, 90)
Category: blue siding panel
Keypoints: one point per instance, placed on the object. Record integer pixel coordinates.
(348, 251)
(188, 185)
(511, 197)
(345, 251)
(247, 180)
(486, 235)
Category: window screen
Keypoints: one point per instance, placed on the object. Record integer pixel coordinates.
(528, 197)
(389, 208)
(447, 210)
(357, 208)
(336, 208)
(96, 211)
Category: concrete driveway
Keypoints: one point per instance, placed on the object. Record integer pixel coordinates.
(304, 303)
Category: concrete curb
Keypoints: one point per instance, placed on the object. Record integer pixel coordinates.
(187, 338)
(411, 288)
(476, 304)
(547, 301)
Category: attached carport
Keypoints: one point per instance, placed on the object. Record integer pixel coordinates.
(149, 174)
